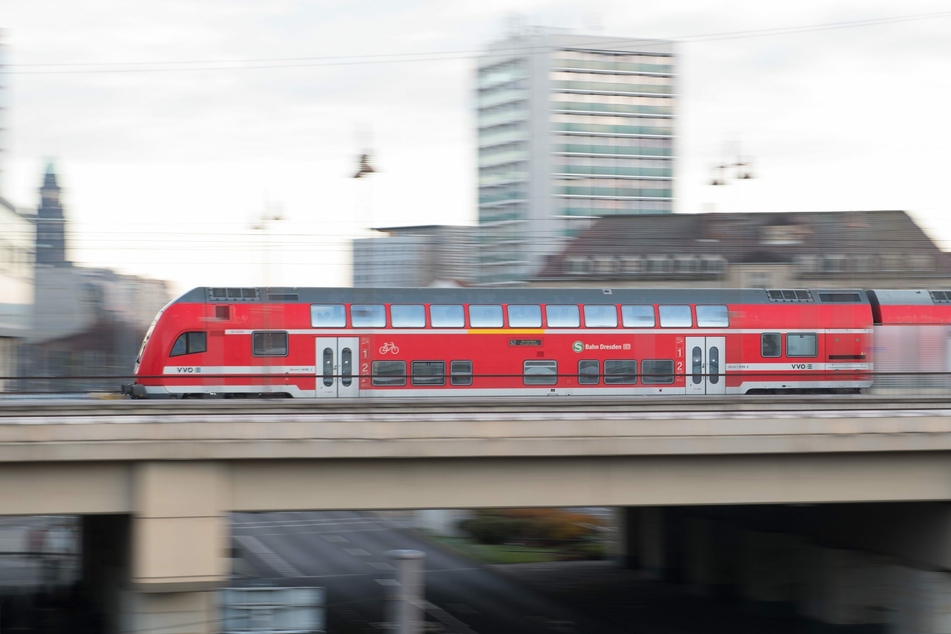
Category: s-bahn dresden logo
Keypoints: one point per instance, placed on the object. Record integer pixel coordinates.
(577, 346)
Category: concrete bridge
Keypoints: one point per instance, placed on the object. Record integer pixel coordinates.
(155, 484)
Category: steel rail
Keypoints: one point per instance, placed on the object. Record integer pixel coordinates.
(223, 408)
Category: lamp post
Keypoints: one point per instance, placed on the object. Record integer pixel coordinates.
(728, 171)
(271, 215)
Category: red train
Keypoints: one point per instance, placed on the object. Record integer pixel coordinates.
(344, 342)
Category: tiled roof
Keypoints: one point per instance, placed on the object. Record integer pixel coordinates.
(760, 238)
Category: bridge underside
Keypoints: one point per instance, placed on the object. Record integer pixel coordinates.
(264, 485)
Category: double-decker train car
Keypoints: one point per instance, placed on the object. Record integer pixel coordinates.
(912, 338)
(344, 342)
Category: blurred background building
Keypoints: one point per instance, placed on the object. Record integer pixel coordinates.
(855, 249)
(87, 323)
(570, 128)
(415, 257)
(17, 236)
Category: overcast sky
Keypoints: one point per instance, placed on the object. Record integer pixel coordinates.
(177, 125)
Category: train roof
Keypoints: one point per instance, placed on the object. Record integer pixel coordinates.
(917, 297)
(521, 295)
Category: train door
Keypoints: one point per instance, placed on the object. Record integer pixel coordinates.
(705, 365)
(335, 361)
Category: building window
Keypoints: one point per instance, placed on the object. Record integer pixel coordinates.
(190, 343)
(269, 344)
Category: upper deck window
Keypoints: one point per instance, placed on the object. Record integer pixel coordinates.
(408, 316)
(562, 316)
(638, 316)
(485, 316)
(525, 316)
(675, 316)
(600, 315)
(328, 316)
(447, 316)
(367, 316)
(715, 316)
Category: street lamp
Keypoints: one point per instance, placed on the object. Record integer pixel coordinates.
(271, 215)
(739, 170)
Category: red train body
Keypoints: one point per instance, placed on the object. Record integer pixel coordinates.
(341, 342)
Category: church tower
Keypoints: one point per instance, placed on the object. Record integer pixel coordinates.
(50, 223)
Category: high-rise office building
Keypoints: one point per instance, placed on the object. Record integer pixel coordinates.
(570, 128)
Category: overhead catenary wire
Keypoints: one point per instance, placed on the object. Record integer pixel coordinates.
(425, 56)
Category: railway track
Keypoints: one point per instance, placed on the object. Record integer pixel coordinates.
(216, 408)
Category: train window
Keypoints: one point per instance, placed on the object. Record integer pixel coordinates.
(447, 316)
(696, 365)
(525, 316)
(637, 316)
(429, 372)
(388, 373)
(537, 372)
(771, 344)
(600, 316)
(189, 343)
(562, 316)
(460, 373)
(328, 316)
(269, 344)
(589, 372)
(801, 345)
(408, 316)
(485, 316)
(657, 371)
(620, 371)
(675, 317)
(367, 316)
(715, 316)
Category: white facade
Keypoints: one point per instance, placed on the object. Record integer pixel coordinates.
(414, 257)
(571, 127)
(17, 235)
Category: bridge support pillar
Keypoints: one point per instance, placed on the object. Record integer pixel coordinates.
(652, 540)
(710, 556)
(180, 538)
(769, 571)
(847, 589)
(625, 549)
(919, 601)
